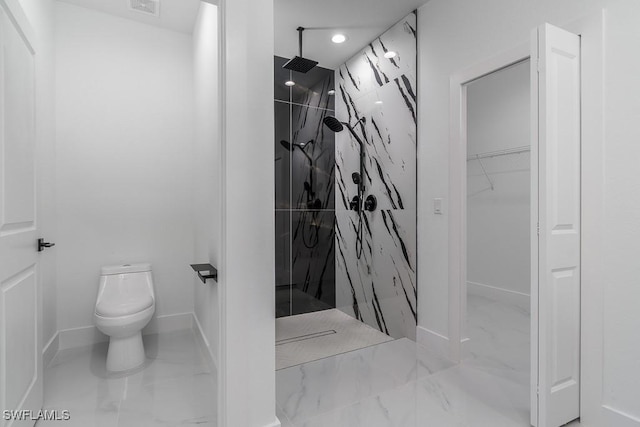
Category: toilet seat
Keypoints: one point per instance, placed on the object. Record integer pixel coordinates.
(123, 305)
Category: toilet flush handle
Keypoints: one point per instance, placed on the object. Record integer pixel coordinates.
(42, 245)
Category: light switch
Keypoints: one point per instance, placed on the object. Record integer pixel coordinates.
(437, 206)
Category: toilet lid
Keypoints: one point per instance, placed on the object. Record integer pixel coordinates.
(123, 304)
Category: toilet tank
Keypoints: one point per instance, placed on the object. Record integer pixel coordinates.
(111, 270)
(124, 289)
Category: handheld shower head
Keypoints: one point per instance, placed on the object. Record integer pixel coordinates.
(338, 126)
(287, 145)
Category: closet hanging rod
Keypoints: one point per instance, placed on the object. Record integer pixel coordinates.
(506, 151)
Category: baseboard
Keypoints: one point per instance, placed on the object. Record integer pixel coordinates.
(89, 335)
(203, 342)
(433, 341)
(50, 349)
(518, 299)
(169, 323)
(615, 417)
(80, 337)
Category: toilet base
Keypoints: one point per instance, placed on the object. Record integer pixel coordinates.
(126, 353)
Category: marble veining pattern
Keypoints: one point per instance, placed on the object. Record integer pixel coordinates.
(176, 386)
(380, 288)
(305, 181)
(400, 383)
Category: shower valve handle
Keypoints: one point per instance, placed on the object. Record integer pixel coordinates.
(354, 205)
(370, 203)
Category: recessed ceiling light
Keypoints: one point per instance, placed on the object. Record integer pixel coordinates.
(290, 83)
(332, 92)
(379, 102)
(390, 54)
(339, 38)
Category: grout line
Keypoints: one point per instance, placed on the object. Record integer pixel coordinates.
(304, 105)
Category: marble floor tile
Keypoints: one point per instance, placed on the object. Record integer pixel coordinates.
(324, 385)
(400, 383)
(392, 408)
(175, 387)
(498, 336)
(406, 360)
(183, 401)
(466, 396)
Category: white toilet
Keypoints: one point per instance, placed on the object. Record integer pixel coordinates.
(124, 306)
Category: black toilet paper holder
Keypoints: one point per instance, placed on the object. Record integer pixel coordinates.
(212, 272)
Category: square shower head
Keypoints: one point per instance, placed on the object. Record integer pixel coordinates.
(299, 64)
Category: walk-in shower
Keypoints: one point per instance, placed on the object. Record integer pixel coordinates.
(353, 192)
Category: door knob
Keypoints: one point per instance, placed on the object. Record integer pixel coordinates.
(42, 245)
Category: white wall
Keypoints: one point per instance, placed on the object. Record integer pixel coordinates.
(621, 224)
(498, 242)
(124, 136)
(455, 34)
(207, 170)
(40, 14)
(247, 274)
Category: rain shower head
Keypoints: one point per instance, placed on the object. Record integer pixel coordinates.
(333, 123)
(299, 63)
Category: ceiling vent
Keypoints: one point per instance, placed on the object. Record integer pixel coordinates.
(149, 7)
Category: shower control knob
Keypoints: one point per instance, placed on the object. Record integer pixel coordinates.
(370, 203)
(354, 205)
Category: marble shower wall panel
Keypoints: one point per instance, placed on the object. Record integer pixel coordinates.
(380, 288)
(305, 200)
(313, 256)
(313, 88)
(312, 171)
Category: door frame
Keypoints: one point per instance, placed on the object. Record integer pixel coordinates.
(591, 29)
(458, 338)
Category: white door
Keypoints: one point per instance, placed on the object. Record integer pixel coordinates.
(556, 247)
(20, 348)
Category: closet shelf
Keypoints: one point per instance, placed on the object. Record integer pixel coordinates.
(497, 153)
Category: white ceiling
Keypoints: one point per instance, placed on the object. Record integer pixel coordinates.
(177, 15)
(360, 20)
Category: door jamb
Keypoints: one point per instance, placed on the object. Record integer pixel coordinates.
(458, 189)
